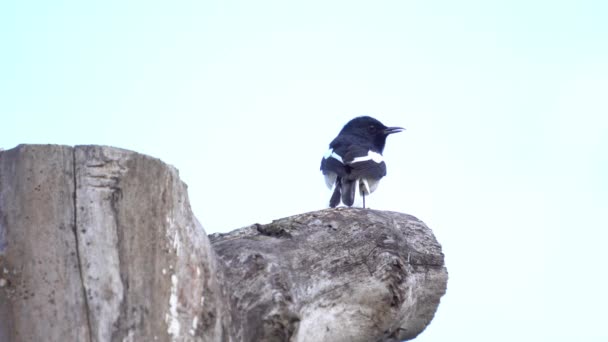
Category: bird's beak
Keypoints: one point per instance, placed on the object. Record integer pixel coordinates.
(391, 130)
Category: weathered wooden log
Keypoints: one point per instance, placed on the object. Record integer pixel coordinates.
(333, 275)
(100, 244)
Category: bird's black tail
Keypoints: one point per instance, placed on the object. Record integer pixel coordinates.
(348, 192)
(335, 197)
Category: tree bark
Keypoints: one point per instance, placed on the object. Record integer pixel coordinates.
(100, 244)
(333, 275)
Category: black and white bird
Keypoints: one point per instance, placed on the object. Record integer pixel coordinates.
(354, 160)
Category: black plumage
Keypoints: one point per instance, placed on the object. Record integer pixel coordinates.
(354, 159)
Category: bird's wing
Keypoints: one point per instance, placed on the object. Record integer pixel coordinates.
(333, 161)
(332, 167)
(364, 162)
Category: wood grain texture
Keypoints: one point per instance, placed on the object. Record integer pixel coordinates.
(41, 295)
(333, 275)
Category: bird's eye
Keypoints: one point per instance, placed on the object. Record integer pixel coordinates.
(372, 128)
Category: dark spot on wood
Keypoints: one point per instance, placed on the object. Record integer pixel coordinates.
(273, 230)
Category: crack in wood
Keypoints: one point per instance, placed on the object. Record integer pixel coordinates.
(77, 246)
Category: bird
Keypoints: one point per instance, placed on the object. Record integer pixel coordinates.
(354, 160)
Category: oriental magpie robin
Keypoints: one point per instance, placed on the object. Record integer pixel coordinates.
(354, 159)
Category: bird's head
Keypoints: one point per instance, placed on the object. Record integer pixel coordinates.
(370, 129)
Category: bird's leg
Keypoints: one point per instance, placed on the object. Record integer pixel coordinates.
(363, 194)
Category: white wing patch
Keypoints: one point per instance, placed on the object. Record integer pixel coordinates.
(368, 185)
(330, 179)
(331, 154)
(371, 155)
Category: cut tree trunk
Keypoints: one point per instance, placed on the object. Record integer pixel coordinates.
(100, 244)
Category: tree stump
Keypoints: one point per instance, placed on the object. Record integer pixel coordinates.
(100, 244)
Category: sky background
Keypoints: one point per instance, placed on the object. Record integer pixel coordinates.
(505, 103)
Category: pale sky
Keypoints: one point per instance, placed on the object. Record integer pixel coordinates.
(505, 105)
